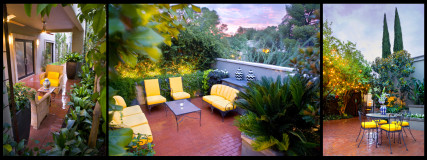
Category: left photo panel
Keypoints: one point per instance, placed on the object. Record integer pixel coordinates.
(54, 80)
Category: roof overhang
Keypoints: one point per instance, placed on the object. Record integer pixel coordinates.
(61, 19)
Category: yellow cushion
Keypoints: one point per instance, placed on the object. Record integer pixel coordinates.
(176, 84)
(155, 100)
(53, 75)
(143, 129)
(214, 89)
(380, 122)
(128, 111)
(226, 92)
(54, 82)
(401, 124)
(391, 127)
(233, 95)
(152, 87)
(180, 95)
(223, 105)
(39, 97)
(223, 88)
(369, 125)
(211, 98)
(135, 120)
(120, 101)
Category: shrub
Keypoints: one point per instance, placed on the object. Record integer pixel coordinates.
(276, 115)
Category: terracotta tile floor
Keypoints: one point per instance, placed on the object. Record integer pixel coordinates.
(339, 139)
(213, 138)
(57, 112)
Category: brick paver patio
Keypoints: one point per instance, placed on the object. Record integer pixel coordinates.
(339, 139)
(57, 111)
(213, 138)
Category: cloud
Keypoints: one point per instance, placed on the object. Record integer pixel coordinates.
(258, 16)
(363, 24)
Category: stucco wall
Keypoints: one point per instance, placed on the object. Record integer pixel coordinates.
(419, 68)
(258, 69)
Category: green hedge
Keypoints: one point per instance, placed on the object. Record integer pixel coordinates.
(126, 86)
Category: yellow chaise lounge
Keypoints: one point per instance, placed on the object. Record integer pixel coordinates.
(222, 98)
(132, 117)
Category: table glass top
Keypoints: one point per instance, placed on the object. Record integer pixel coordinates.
(187, 107)
(42, 89)
(379, 115)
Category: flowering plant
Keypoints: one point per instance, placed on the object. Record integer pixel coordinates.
(382, 98)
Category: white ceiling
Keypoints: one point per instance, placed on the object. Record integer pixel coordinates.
(58, 21)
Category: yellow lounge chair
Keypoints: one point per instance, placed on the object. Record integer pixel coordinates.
(177, 92)
(132, 117)
(152, 93)
(55, 75)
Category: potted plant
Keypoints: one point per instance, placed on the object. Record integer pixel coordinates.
(281, 117)
(71, 65)
(23, 109)
(381, 100)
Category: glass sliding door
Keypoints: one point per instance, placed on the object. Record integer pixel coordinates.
(24, 50)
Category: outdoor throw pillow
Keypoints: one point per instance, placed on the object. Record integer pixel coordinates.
(52, 75)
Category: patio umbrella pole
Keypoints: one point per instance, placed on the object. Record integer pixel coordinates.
(9, 73)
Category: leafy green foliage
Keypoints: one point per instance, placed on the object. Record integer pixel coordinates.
(21, 93)
(394, 74)
(206, 85)
(73, 57)
(61, 46)
(398, 41)
(275, 115)
(386, 40)
(417, 94)
(215, 76)
(336, 117)
(138, 148)
(11, 147)
(118, 141)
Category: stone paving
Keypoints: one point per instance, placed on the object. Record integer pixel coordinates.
(213, 138)
(339, 139)
(57, 111)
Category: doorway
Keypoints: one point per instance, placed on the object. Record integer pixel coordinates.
(24, 50)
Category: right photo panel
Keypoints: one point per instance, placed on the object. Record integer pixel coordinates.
(373, 80)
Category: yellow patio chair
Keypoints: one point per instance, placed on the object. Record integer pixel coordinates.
(55, 75)
(365, 125)
(405, 124)
(177, 92)
(393, 128)
(152, 93)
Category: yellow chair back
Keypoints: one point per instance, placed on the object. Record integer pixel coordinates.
(176, 84)
(120, 101)
(152, 87)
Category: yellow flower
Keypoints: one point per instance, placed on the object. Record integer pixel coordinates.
(134, 146)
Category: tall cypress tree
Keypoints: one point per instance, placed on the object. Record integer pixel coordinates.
(398, 42)
(386, 40)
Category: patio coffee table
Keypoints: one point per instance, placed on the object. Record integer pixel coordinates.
(181, 111)
(50, 90)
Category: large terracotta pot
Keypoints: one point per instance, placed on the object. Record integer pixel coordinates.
(23, 119)
(71, 69)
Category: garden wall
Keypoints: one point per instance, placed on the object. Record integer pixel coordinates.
(419, 67)
(258, 69)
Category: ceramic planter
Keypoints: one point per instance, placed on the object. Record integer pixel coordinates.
(23, 119)
(71, 69)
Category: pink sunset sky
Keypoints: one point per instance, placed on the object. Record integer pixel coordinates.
(257, 16)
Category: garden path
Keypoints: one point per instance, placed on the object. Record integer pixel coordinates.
(213, 138)
(339, 139)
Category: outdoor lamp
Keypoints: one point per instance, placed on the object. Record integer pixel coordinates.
(11, 38)
(37, 42)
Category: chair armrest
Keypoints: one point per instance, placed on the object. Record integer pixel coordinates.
(61, 79)
(44, 98)
(42, 76)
